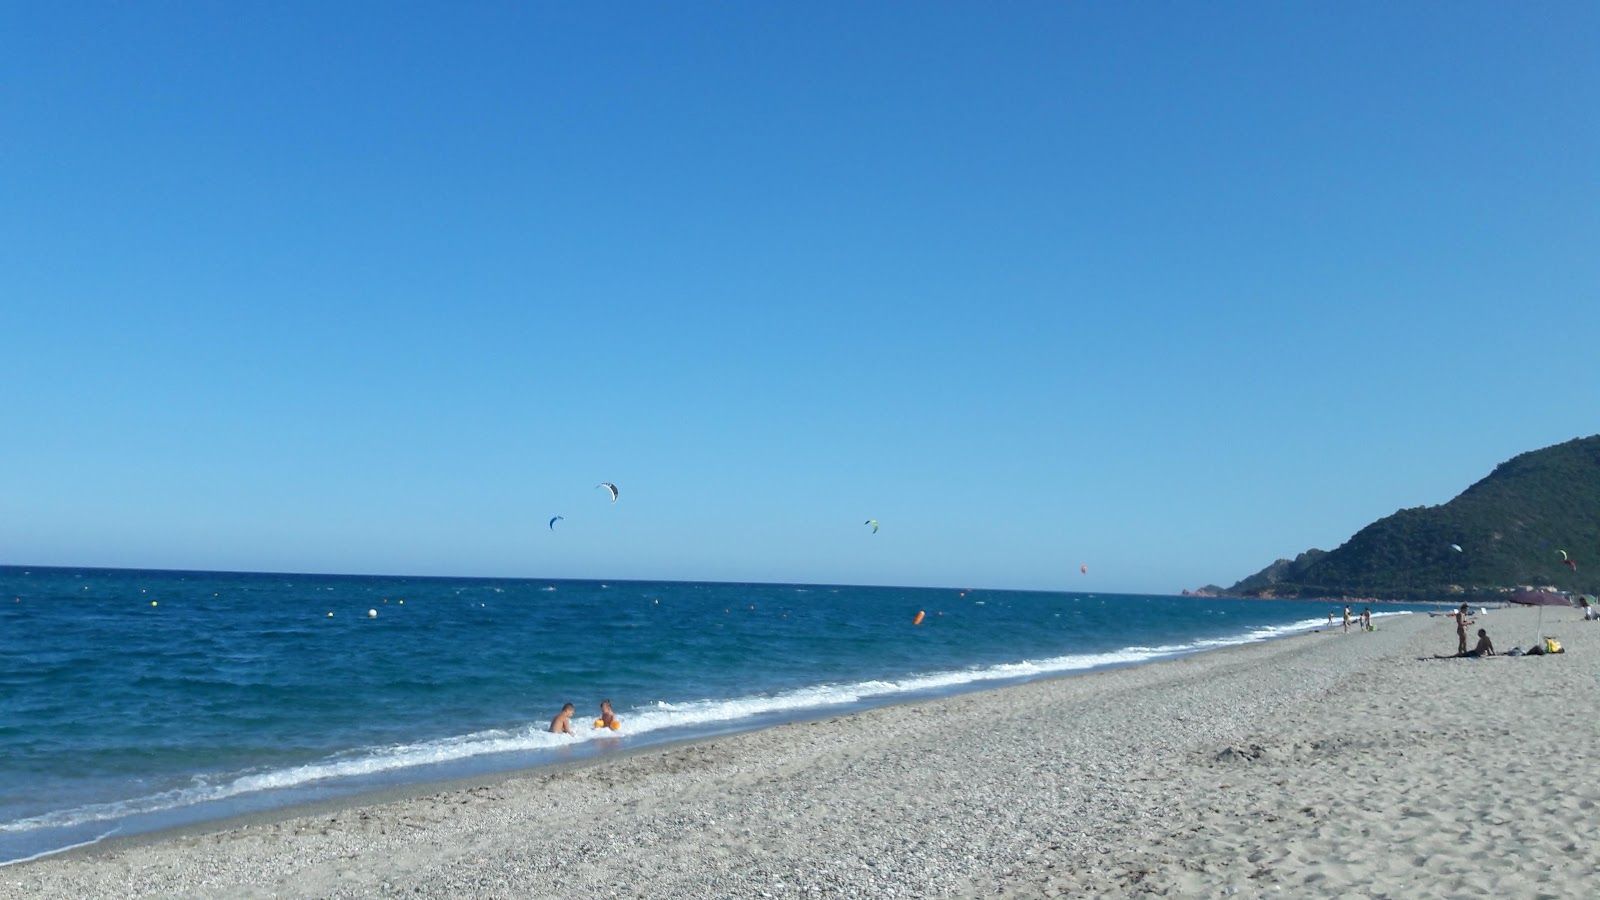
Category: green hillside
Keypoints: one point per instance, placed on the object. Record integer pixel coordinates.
(1510, 527)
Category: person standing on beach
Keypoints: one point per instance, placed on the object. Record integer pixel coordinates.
(1347, 618)
(1461, 629)
(562, 723)
(1366, 618)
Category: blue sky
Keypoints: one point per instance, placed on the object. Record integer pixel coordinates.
(1169, 289)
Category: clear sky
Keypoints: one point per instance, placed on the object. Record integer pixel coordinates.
(1170, 289)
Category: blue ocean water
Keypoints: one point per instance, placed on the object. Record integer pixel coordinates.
(132, 700)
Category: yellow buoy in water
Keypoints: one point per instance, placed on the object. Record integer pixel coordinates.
(330, 615)
(372, 614)
(152, 603)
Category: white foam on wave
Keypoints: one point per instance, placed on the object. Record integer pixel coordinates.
(207, 789)
(663, 715)
(655, 717)
(52, 852)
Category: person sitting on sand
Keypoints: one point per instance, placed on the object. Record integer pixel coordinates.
(1485, 648)
(562, 723)
(607, 719)
(1588, 611)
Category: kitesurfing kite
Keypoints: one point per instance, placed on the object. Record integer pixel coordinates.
(610, 487)
(873, 523)
(554, 521)
(1083, 569)
(1568, 561)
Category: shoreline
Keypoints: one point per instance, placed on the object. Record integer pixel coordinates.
(587, 756)
(338, 793)
(1100, 783)
(401, 793)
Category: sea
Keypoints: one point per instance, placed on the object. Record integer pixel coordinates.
(133, 701)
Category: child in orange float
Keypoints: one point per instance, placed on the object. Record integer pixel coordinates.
(607, 719)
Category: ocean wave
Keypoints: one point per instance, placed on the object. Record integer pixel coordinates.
(372, 761)
(54, 850)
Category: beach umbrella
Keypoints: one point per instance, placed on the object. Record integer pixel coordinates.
(1540, 599)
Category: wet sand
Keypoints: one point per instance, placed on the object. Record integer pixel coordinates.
(1319, 765)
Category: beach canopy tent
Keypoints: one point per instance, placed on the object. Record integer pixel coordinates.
(1540, 599)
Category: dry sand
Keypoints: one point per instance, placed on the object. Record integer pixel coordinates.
(1319, 765)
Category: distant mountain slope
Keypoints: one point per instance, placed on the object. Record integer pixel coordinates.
(1284, 571)
(1510, 527)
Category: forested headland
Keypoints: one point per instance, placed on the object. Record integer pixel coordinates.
(1516, 528)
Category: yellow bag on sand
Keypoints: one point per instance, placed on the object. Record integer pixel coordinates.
(1551, 645)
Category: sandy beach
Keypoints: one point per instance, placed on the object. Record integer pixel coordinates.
(1318, 765)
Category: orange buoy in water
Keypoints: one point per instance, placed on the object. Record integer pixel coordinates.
(918, 619)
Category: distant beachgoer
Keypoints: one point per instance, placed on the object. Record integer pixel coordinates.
(1366, 618)
(1330, 617)
(1347, 618)
(562, 723)
(1588, 611)
(607, 719)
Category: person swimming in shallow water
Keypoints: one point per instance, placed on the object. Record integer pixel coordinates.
(607, 718)
(562, 723)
